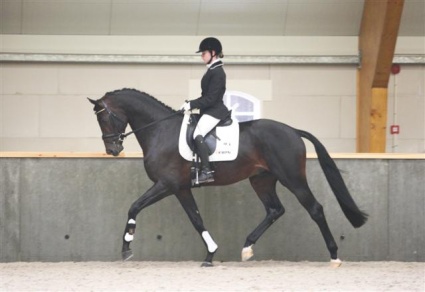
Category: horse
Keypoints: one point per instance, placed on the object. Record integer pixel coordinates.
(269, 152)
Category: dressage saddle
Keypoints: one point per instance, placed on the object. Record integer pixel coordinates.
(211, 138)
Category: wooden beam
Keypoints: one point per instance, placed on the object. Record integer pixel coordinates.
(378, 120)
(377, 40)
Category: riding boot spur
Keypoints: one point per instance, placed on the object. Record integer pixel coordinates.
(206, 174)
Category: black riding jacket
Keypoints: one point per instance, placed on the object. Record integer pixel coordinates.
(213, 85)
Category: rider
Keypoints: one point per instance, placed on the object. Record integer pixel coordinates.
(212, 108)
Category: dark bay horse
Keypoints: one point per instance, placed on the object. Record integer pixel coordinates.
(269, 152)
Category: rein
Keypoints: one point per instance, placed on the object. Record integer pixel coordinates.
(122, 136)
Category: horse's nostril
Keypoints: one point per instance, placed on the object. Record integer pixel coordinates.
(111, 152)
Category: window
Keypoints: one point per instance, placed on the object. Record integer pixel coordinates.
(244, 107)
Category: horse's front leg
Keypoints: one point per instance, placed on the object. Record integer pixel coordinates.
(189, 205)
(157, 192)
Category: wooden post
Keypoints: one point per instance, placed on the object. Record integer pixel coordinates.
(377, 40)
(378, 120)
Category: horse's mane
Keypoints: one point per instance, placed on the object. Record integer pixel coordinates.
(138, 92)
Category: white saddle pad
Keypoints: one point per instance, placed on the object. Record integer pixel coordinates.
(227, 142)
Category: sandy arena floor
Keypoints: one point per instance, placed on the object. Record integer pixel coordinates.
(228, 276)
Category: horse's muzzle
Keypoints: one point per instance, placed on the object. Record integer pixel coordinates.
(114, 149)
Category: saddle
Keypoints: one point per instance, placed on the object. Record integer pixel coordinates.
(211, 138)
(222, 141)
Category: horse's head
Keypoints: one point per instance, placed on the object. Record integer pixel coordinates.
(112, 124)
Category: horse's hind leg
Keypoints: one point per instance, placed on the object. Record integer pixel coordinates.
(264, 185)
(189, 205)
(315, 210)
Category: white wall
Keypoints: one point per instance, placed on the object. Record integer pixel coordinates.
(44, 106)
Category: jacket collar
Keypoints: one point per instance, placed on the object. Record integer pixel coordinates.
(215, 64)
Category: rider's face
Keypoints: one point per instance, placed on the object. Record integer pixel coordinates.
(206, 56)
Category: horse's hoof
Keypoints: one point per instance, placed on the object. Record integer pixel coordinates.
(207, 265)
(336, 263)
(247, 253)
(127, 255)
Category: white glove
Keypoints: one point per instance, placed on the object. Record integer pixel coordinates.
(186, 106)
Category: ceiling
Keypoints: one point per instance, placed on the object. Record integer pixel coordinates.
(196, 17)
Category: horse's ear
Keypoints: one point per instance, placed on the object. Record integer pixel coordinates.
(92, 101)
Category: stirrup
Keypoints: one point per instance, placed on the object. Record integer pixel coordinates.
(206, 176)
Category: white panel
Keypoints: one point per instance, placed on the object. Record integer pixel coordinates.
(324, 18)
(164, 80)
(410, 80)
(19, 116)
(37, 144)
(246, 72)
(154, 18)
(194, 88)
(408, 146)
(96, 79)
(318, 115)
(66, 17)
(29, 78)
(314, 80)
(261, 89)
(410, 45)
(334, 145)
(348, 117)
(410, 116)
(67, 116)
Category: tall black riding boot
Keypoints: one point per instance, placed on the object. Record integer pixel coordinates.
(206, 175)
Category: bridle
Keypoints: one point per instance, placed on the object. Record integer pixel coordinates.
(119, 137)
(113, 118)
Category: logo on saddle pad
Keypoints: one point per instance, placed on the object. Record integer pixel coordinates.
(222, 141)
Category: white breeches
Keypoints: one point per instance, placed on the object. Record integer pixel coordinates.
(205, 125)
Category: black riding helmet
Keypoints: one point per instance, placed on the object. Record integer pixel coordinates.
(210, 44)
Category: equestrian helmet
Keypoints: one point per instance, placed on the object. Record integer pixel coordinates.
(210, 44)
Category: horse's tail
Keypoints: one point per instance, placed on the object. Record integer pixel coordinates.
(356, 217)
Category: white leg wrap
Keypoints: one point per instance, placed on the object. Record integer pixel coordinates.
(247, 253)
(336, 263)
(212, 246)
(128, 237)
